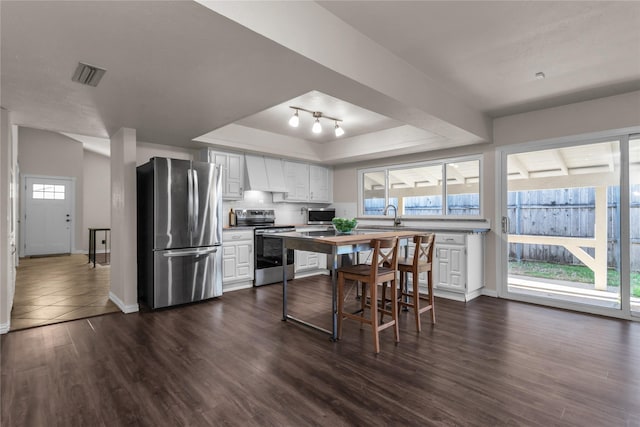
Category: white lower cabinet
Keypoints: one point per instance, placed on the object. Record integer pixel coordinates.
(237, 260)
(307, 263)
(458, 265)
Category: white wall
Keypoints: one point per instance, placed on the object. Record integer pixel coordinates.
(604, 115)
(47, 153)
(146, 150)
(96, 172)
(124, 283)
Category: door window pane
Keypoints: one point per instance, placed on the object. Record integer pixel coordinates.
(48, 192)
(463, 188)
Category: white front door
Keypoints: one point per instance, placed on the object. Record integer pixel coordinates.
(48, 215)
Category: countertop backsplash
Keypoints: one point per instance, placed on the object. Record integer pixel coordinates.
(286, 213)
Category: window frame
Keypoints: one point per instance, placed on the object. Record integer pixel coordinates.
(439, 162)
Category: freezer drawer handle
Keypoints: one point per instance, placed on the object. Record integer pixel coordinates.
(191, 252)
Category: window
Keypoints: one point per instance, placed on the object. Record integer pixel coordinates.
(463, 188)
(48, 191)
(429, 189)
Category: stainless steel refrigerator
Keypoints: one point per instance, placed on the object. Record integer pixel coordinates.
(179, 231)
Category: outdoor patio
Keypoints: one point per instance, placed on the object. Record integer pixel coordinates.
(582, 293)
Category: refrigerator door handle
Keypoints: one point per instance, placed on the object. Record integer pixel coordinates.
(196, 200)
(190, 201)
(191, 252)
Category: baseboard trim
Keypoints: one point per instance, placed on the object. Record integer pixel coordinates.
(236, 286)
(126, 309)
(309, 273)
(456, 296)
(4, 328)
(490, 293)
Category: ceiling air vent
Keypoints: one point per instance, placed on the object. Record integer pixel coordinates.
(88, 74)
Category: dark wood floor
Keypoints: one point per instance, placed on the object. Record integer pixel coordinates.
(232, 361)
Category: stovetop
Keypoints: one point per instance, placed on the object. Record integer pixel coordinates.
(260, 219)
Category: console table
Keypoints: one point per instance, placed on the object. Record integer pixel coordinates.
(106, 242)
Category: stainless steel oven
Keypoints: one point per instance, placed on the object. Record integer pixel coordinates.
(320, 216)
(268, 252)
(268, 259)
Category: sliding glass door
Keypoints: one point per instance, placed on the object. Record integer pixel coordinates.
(571, 225)
(562, 224)
(634, 223)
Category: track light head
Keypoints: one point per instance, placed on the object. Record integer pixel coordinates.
(317, 127)
(338, 130)
(294, 121)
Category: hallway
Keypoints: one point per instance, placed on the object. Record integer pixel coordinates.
(56, 289)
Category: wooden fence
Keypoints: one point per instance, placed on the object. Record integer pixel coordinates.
(568, 212)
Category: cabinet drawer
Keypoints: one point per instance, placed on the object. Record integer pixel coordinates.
(451, 239)
(230, 236)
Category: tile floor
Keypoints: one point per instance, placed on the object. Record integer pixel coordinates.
(56, 289)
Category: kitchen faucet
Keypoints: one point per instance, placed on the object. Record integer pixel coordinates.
(396, 220)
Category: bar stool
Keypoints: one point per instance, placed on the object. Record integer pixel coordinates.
(383, 269)
(421, 262)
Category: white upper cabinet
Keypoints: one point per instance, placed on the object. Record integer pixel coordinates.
(289, 181)
(297, 177)
(264, 174)
(232, 172)
(256, 173)
(306, 183)
(275, 174)
(319, 184)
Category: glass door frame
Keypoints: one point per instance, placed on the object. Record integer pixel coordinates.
(502, 228)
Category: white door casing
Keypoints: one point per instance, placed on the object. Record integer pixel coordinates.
(48, 215)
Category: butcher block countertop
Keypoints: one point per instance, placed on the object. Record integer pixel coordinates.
(325, 241)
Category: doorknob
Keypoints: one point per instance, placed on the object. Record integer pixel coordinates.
(505, 224)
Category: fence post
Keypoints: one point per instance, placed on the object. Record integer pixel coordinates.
(600, 234)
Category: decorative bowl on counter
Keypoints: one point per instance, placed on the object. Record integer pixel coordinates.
(344, 225)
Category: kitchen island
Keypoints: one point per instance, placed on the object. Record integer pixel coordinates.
(330, 243)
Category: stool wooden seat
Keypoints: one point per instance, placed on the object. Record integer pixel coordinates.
(383, 269)
(421, 262)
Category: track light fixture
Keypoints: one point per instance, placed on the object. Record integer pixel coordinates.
(294, 121)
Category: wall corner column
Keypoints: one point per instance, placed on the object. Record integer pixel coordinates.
(6, 265)
(124, 270)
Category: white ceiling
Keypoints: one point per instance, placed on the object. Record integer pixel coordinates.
(404, 76)
(355, 120)
(489, 52)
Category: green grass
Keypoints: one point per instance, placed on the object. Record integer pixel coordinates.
(572, 273)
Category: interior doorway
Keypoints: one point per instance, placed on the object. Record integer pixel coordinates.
(49, 206)
(59, 288)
